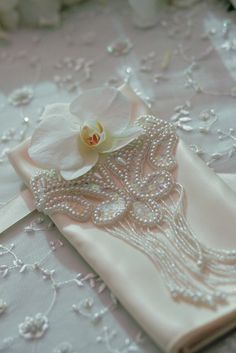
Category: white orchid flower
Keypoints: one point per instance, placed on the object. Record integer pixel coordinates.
(71, 137)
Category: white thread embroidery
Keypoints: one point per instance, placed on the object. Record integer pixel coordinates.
(33, 327)
(132, 194)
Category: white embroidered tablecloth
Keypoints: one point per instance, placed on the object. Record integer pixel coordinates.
(185, 68)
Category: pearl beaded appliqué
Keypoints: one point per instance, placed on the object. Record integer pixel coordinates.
(132, 194)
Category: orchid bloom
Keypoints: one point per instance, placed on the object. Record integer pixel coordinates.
(71, 137)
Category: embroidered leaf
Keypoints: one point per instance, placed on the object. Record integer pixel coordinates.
(185, 127)
(175, 117)
(5, 273)
(101, 287)
(178, 108)
(89, 276)
(185, 119)
(184, 112)
(23, 268)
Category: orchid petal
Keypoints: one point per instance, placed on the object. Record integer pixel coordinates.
(60, 110)
(106, 105)
(55, 109)
(73, 174)
(70, 137)
(124, 137)
(54, 142)
(138, 106)
(90, 158)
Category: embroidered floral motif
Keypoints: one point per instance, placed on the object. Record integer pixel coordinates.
(33, 327)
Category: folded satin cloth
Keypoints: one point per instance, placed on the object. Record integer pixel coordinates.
(161, 242)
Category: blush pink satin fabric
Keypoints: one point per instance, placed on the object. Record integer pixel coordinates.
(211, 213)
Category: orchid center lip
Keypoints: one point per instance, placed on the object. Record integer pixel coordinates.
(92, 133)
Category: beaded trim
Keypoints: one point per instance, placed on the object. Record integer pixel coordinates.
(132, 194)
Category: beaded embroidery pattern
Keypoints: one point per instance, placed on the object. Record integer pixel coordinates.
(132, 194)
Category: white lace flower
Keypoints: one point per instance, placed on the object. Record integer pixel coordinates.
(71, 137)
(21, 96)
(33, 327)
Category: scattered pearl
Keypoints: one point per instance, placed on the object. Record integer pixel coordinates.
(96, 318)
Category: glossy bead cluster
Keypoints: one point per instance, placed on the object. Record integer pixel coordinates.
(132, 194)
